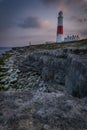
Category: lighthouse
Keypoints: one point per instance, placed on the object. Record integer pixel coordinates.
(59, 27)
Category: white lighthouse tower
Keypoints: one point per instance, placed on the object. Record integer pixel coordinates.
(60, 27)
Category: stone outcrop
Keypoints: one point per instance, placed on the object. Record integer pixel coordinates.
(42, 110)
(50, 90)
(76, 76)
(66, 68)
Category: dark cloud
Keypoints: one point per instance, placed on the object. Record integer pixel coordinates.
(73, 5)
(49, 2)
(77, 19)
(10, 11)
(83, 32)
(31, 22)
(82, 20)
(54, 2)
(1, 0)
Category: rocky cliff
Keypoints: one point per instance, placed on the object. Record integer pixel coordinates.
(44, 87)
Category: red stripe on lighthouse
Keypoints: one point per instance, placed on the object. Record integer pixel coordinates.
(60, 30)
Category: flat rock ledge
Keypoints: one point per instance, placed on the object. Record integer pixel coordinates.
(42, 111)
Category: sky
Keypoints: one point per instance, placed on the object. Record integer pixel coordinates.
(22, 21)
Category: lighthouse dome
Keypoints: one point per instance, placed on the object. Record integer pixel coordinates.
(60, 13)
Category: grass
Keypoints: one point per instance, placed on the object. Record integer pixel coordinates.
(3, 72)
(2, 88)
(58, 45)
(54, 45)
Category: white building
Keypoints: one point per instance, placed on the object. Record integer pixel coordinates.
(71, 38)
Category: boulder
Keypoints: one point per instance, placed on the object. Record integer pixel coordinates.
(76, 76)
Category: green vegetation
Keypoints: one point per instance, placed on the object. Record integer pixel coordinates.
(58, 45)
(3, 58)
(2, 88)
(3, 72)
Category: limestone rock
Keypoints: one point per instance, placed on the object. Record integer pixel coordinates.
(50, 90)
(76, 77)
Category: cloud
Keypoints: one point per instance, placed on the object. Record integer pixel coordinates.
(1, 0)
(82, 20)
(31, 22)
(72, 5)
(78, 19)
(83, 32)
(34, 22)
(54, 2)
(49, 2)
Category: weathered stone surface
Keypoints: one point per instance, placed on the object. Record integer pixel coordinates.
(76, 77)
(69, 70)
(45, 94)
(48, 66)
(41, 110)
